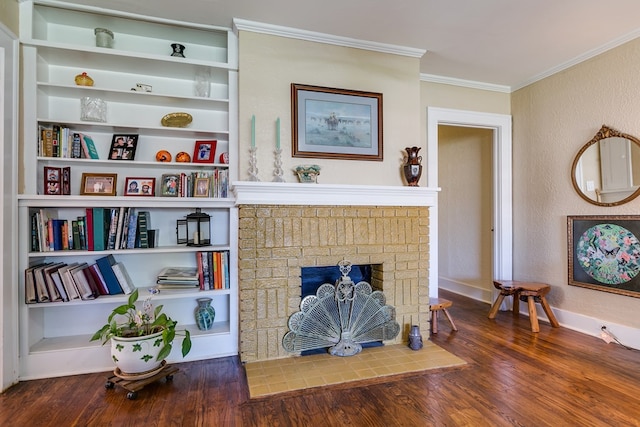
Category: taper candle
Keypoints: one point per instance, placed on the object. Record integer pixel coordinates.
(253, 130)
(278, 133)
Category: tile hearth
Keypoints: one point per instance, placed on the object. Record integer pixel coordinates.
(296, 373)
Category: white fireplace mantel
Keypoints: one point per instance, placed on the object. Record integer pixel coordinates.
(284, 193)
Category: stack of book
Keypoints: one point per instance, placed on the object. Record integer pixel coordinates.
(178, 278)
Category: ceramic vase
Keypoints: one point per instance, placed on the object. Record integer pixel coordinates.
(205, 314)
(412, 167)
(415, 339)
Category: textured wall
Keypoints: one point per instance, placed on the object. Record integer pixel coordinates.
(276, 241)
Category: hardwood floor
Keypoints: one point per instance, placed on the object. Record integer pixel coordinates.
(513, 377)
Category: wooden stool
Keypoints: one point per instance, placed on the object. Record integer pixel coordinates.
(526, 291)
(435, 305)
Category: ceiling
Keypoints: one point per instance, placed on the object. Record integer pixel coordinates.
(509, 43)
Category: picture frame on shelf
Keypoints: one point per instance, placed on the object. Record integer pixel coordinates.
(98, 184)
(604, 253)
(123, 147)
(204, 151)
(140, 186)
(170, 185)
(202, 187)
(52, 181)
(329, 123)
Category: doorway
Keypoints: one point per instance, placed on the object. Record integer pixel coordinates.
(500, 127)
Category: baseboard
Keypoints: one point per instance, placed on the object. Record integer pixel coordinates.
(628, 336)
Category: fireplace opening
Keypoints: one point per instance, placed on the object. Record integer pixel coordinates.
(314, 277)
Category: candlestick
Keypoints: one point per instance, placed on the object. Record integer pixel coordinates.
(253, 130)
(278, 133)
(253, 165)
(278, 172)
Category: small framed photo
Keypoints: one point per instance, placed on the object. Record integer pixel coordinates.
(138, 186)
(201, 187)
(204, 151)
(123, 147)
(98, 184)
(170, 185)
(52, 181)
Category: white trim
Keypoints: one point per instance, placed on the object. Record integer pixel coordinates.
(432, 78)
(503, 198)
(281, 193)
(276, 30)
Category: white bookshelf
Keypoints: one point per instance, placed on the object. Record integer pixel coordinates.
(58, 43)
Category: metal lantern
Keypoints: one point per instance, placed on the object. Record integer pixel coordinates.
(195, 229)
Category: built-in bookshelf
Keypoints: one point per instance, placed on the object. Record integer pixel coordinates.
(58, 44)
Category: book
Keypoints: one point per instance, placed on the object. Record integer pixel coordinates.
(42, 294)
(178, 273)
(113, 228)
(133, 229)
(69, 284)
(89, 150)
(56, 228)
(82, 232)
(52, 289)
(55, 134)
(80, 279)
(100, 222)
(99, 279)
(123, 277)
(110, 278)
(76, 146)
(45, 215)
(55, 276)
(30, 293)
(47, 142)
(143, 223)
(89, 228)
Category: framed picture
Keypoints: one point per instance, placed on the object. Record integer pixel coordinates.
(98, 184)
(201, 187)
(123, 147)
(170, 185)
(52, 181)
(604, 253)
(138, 186)
(204, 151)
(336, 123)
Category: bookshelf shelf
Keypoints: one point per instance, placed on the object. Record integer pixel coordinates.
(58, 44)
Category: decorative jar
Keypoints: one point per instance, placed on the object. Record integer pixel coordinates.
(104, 37)
(93, 109)
(308, 173)
(412, 168)
(415, 339)
(205, 314)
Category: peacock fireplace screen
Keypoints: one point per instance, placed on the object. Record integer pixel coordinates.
(342, 317)
(604, 253)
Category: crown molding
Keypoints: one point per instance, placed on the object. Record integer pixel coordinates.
(276, 30)
(432, 78)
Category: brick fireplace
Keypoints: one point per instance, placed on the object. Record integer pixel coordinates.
(284, 227)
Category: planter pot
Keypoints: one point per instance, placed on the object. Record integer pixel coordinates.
(137, 354)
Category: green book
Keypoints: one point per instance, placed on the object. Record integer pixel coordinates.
(143, 224)
(89, 150)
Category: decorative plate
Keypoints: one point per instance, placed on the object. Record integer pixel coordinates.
(176, 120)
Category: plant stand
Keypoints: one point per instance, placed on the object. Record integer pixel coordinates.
(134, 385)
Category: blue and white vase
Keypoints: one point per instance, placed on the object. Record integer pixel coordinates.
(205, 314)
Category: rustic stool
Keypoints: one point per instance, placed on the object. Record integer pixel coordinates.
(530, 292)
(435, 305)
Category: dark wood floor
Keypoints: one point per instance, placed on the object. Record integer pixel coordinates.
(513, 377)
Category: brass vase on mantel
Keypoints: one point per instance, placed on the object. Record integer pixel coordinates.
(412, 167)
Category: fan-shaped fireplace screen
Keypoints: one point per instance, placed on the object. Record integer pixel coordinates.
(342, 317)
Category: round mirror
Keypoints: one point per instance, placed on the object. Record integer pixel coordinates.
(606, 171)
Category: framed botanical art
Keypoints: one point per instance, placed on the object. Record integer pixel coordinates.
(604, 253)
(139, 186)
(332, 123)
(98, 184)
(123, 147)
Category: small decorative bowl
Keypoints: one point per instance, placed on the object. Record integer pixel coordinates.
(183, 157)
(84, 80)
(176, 120)
(163, 156)
(308, 174)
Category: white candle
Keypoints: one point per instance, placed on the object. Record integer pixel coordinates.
(278, 133)
(196, 238)
(253, 131)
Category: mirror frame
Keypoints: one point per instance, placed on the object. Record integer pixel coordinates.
(603, 133)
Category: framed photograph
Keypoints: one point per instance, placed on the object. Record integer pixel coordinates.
(170, 185)
(52, 181)
(98, 184)
(336, 123)
(201, 187)
(204, 151)
(604, 253)
(123, 147)
(138, 186)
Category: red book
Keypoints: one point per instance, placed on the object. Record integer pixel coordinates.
(89, 226)
(98, 279)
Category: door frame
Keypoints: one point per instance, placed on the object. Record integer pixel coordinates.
(502, 185)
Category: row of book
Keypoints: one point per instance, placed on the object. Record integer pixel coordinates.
(211, 272)
(98, 230)
(60, 141)
(216, 184)
(61, 282)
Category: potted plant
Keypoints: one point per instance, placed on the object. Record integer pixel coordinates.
(140, 339)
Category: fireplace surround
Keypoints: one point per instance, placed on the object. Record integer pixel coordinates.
(284, 227)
